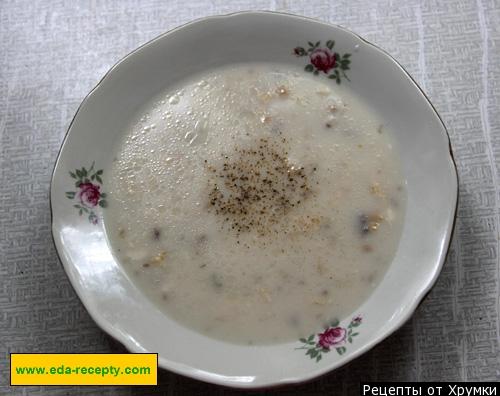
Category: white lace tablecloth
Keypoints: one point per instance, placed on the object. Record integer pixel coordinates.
(53, 52)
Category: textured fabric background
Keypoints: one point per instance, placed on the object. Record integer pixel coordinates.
(53, 52)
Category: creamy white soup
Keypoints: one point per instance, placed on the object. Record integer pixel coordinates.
(256, 203)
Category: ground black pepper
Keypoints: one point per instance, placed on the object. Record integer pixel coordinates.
(255, 187)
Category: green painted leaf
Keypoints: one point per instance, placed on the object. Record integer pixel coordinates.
(92, 177)
(310, 44)
(355, 324)
(330, 44)
(84, 209)
(299, 51)
(79, 173)
(349, 339)
(317, 43)
(92, 217)
(99, 172)
(332, 76)
(347, 56)
(314, 353)
(84, 171)
(309, 68)
(72, 175)
(103, 203)
(76, 206)
(335, 322)
(337, 55)
(338, 80)
(103, 195)
(345, 67)
(316, 72)
(98, 179)
(354, 334)
(311, 337)
(303, 340)
(80, 212)
(70, 194)
(318, 358)
(309, 351)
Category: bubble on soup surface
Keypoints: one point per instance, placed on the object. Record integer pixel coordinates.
(174, 99)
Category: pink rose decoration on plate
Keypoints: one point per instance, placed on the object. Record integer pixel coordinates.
(332, 337)
(323, 59)
(89, 194)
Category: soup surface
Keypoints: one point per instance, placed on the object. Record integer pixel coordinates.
(256, 203)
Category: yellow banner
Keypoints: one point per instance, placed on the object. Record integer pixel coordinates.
(83, 369)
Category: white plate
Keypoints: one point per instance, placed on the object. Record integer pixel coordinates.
(119, 307)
